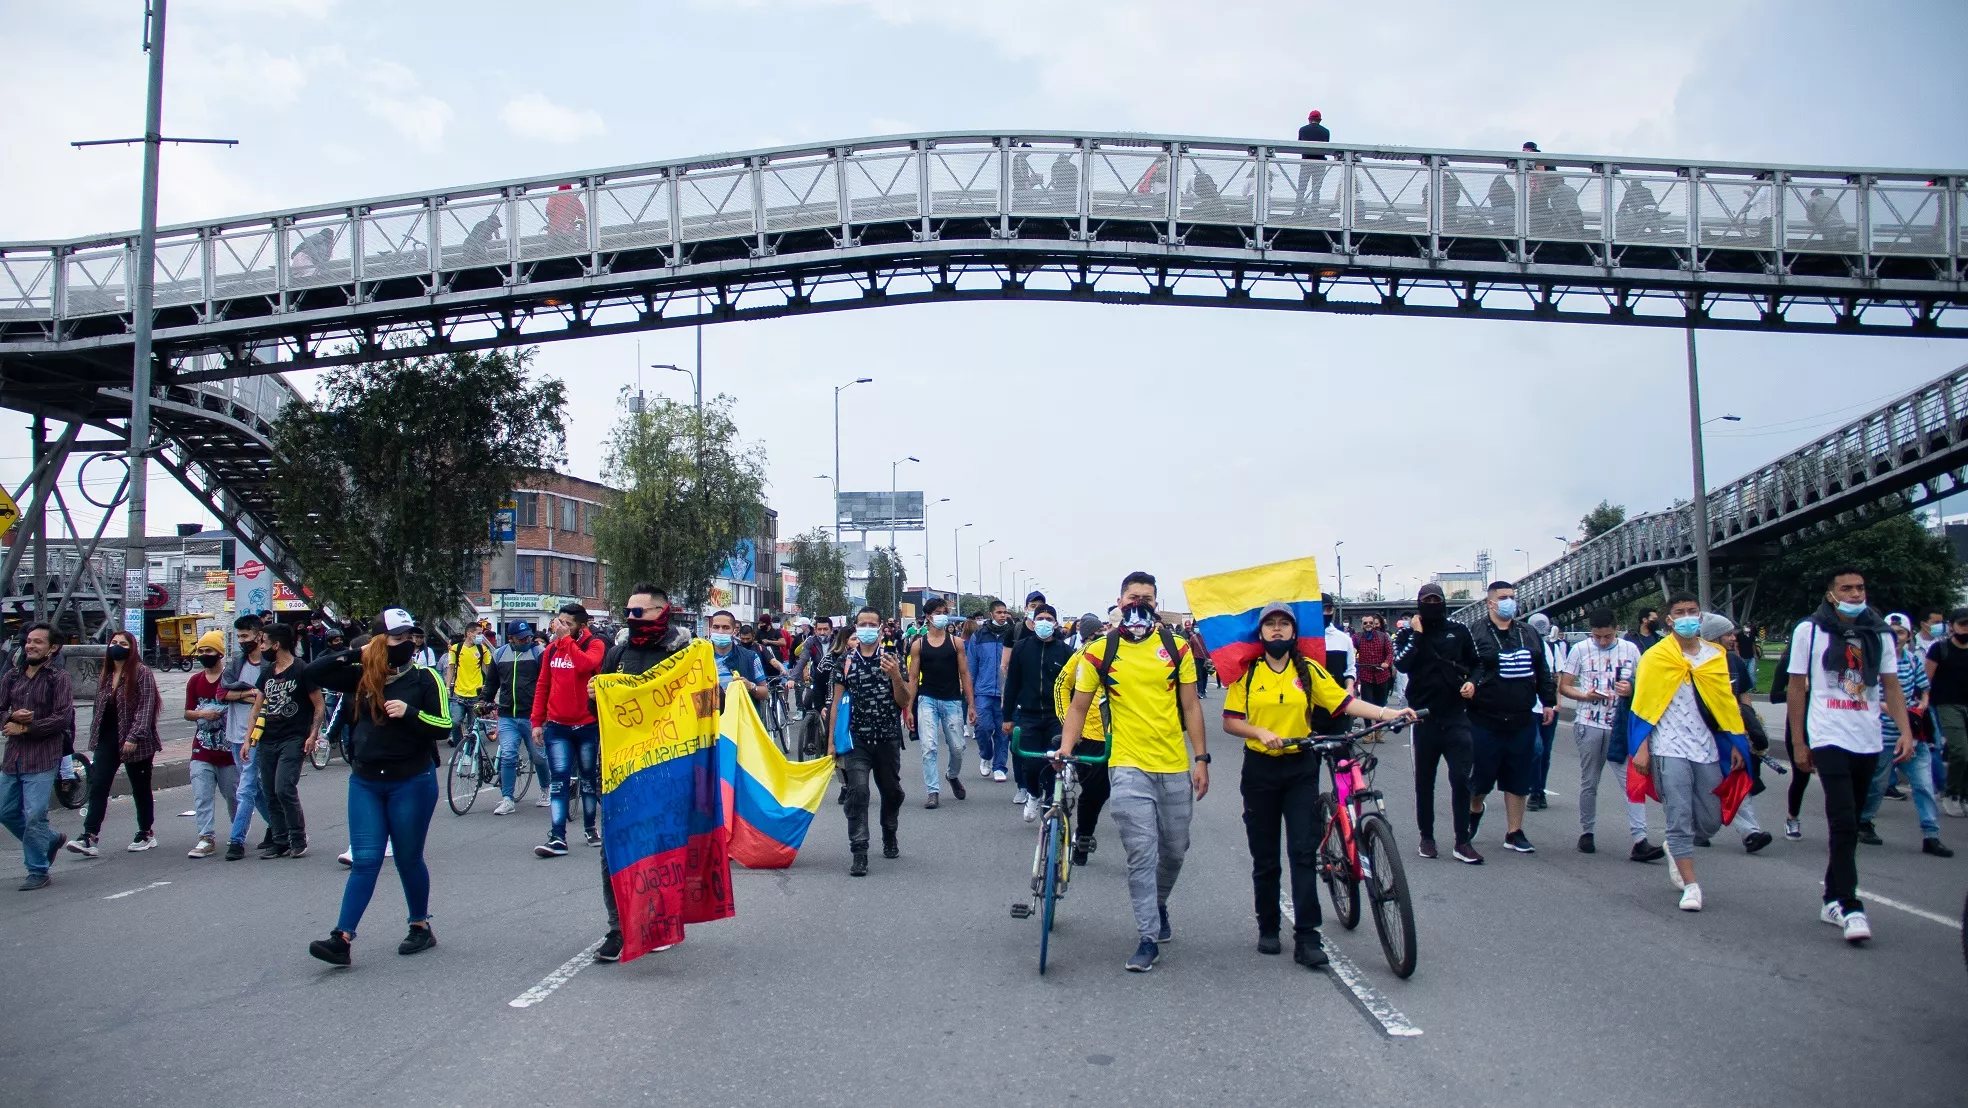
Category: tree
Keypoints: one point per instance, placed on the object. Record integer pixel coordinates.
(1908, 569)
(822, 572)
(886, 579)
(688, 490)
(386, 490)
(971, 604)
(1602, 519)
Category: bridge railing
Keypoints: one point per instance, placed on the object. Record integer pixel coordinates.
(1830, 223)
(1838, 469)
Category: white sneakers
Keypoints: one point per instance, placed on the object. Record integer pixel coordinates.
(1032, 809)
(505, 807)
(1954, 807)
(545, 801)
(205, 849)
(984, 770)
(1832, 913)
(1674, 873)
(142, 843)
(1020, 797)
(1691, 898)
(1857, 928)
(998, 775)
(85, 846)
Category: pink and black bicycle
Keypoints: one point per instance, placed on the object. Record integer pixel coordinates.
(1356, 845)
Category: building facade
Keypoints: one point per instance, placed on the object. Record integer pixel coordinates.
(557, 563)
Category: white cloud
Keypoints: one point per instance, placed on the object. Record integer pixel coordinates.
(535, 117)
(393, 94)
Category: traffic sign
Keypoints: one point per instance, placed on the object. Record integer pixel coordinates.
(9, 512)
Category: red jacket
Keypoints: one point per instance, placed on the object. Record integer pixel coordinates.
(565, 667)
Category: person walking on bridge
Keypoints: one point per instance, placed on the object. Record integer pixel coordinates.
(1312, 170)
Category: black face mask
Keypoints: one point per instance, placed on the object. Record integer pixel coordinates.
(1431, 610)
(209, 661)
(1277, 648)
(401, 652)
(117, 652)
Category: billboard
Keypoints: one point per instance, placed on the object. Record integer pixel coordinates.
(880, 511)
(742, 565)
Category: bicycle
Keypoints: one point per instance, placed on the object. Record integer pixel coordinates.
(774, 715)
(475, 765)
(1052, 861)
(1356, 844)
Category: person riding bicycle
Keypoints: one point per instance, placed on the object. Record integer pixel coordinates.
(469, 661)
(767, 651)
(1036, 663)
(515, 676)
(1283, 698)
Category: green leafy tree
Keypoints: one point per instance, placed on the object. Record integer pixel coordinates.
(689, 489)
(386, 489)
(973, 605)
(1908, 568)
(1602, 519)
(822, 572)
(886, 580)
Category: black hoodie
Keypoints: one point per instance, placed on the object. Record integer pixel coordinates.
(1438, 660)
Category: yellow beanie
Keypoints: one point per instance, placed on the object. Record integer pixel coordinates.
(211, 640)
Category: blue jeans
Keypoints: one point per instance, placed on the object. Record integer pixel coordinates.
(513, 732)
(24, 811)
(249, 796)
(993, 745)
(381, 813)
(567, 746)
(940, 725)
(1920, 778)
(208, 781)
(1547, 735)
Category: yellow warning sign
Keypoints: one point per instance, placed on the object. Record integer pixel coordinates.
(9, 512)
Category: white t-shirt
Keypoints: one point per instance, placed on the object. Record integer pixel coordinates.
(1842, 712)
(1556, 653)
(1337, 639)
(1682, 733)
(1597, 670)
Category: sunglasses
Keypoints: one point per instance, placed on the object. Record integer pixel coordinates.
(636, 613)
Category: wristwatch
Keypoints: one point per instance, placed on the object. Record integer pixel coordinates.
(1203, 758)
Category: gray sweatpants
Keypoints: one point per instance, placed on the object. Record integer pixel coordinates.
(1688, 794)
(1151, 813)
(1592, 742)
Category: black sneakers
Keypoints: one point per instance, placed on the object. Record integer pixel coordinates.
(1644, 851)
(277, 850)
(1466, 853)
(1517, 842)
(1757, 840)
(552, 848)
(1310, 952)
(1267, 943)
(956, 788)
(235, 850)
(611, 948)
(1475, 821)
(858, 867)
(1586, 845)
(890, 848)
(418, 940)
(1935, 847)
(1868, 836)
(333, 950)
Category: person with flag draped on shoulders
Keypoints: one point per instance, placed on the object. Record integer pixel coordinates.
(1688, 741)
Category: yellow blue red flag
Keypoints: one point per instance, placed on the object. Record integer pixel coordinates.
(664, 840)
(1226, 607)
(769, 802)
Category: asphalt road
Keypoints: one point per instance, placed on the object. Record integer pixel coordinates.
(1557, 978)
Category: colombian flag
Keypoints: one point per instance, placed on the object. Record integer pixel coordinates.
(1226, 606)
(1663, 669)
(768, 802)
(664, 839)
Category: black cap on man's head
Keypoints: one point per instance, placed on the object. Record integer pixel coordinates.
(1430, 589)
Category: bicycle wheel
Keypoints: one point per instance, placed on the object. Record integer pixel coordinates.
(523, 770)
(1335, 868)
(1055, 843)
(1387, 890)
(461, 783)
(318, 757)
(74, 794)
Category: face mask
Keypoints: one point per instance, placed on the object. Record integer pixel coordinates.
(1401, 626)
(939, 620)
(208, 660)
(720, 639)
(401, 652)
(1277, 648)
(1043, 628)
(1688, 626)
(1851, 609)
(1936, 630)
(1431, 610)
(1507, 608)
(117, 653)
(1137, 620)
(1000, 619)
(868, 636)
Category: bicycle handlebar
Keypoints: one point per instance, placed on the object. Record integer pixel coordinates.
(1324, 744)
(1017, 735)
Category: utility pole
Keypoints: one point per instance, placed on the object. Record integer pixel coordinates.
(1701, 478)
(136, 558)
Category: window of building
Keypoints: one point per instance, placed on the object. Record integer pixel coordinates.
(570, 515)
(529, 574)
(588, 518)
(529, 509)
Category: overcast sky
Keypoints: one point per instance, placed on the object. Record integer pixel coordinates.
(1213, 439)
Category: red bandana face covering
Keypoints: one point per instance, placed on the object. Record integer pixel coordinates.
(649, 632)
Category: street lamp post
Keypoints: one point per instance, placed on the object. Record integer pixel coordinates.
(1527, 558)
(927, 579)
(980, 564)
(838, 389)
(696, 381)
(894, 586)
(1339, 565)
(1001, 565)
(956, 564)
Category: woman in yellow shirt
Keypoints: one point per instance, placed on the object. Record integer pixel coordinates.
(1271, 706)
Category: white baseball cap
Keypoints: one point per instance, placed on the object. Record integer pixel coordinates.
(396, 620)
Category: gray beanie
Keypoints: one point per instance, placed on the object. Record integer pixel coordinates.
(1716, 625)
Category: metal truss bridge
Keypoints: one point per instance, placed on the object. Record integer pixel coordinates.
(1903, 455)
(1100, 218)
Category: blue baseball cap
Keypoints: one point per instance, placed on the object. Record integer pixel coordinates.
(519, 629)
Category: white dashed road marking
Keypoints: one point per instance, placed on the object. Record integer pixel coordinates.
(1371, 1000)
(133, 892)
(1875, 898)
(557, 978)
